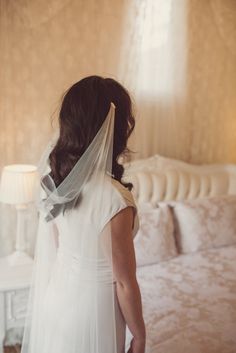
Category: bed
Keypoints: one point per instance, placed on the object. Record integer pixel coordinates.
(188, 292)
(187, 278)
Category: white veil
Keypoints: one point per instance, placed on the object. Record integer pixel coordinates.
(88, 267)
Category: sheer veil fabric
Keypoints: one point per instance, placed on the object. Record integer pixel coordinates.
(72, 305)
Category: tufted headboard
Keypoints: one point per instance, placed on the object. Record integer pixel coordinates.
(162, 179)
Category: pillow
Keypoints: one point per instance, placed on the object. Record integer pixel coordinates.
(154, 241)
(205, 223)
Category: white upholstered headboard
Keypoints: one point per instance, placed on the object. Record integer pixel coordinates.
(162, 179)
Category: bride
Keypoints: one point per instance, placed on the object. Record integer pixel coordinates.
(84, 291)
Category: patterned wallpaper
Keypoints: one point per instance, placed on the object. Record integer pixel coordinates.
(184, 90)
(45, 47)
(212, 81)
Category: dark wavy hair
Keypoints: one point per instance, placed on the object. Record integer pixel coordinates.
(84, 108)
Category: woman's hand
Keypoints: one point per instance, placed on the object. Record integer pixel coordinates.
(137, 346)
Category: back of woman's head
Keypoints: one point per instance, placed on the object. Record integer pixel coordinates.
(84, 108)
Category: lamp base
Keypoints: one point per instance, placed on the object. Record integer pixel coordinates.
(19, 258)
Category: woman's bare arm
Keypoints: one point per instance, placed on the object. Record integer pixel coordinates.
(124, 267)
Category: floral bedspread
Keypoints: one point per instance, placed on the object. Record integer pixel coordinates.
(189, 302)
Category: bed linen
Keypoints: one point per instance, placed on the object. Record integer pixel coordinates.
(204, 223)
(189, 302)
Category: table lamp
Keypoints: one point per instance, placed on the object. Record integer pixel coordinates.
(17, 188)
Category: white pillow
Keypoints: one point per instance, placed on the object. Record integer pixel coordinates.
(205, 223)
(154, 241)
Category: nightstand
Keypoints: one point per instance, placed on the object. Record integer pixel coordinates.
(14, 291)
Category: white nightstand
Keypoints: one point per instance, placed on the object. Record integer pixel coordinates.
(14, 290)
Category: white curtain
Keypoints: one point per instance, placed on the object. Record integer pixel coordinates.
(179, 61)
(153, 66)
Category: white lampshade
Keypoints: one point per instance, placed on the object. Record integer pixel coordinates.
(18, 184)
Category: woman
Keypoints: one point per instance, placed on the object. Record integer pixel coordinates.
(83, 299)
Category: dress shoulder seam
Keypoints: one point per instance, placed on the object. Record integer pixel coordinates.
(125, 193)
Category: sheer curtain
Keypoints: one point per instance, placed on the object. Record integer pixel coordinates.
(154, 68)
(179, 61)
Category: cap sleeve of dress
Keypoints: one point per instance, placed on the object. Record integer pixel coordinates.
(121, 198)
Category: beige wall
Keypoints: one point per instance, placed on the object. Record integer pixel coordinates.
(212, 80)
(47, 45)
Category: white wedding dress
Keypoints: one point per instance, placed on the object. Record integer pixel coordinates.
(69, 305)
